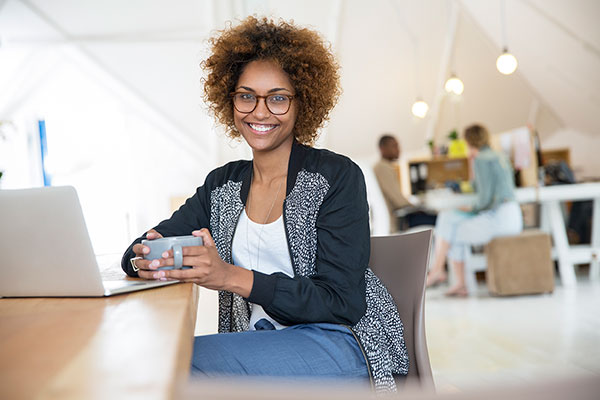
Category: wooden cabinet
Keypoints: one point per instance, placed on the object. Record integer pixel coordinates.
(556, 155)
(433, 173)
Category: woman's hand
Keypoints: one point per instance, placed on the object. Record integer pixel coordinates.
(208, 268)
(140, 250)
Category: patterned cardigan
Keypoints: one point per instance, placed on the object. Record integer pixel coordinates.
(327, 228)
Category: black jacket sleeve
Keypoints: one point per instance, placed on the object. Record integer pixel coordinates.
(336, 293)
(192, 215)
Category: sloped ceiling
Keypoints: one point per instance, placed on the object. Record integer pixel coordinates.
(391, 52)
(558, 47)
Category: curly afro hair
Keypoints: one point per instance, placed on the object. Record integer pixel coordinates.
(300, 52)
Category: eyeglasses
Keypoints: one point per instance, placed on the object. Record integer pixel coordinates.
(277, 104)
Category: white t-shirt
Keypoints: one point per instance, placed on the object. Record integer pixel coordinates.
(270, 256)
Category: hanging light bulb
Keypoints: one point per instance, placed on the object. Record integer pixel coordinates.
(454, 85)
(506, 63)
(420, 108)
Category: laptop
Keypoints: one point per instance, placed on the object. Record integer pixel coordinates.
(45, 249)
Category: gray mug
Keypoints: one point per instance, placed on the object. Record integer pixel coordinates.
(177, 243)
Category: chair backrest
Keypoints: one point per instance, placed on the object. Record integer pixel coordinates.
(400, 262)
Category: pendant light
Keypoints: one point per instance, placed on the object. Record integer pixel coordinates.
(420, 108)
(506, 62)
(454, 85)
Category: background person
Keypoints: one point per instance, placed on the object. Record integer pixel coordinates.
(495, 212)
(387, 173)
(286, 234)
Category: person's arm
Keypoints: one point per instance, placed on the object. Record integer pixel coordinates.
(191, 216)
(390, 187)
(336, 293)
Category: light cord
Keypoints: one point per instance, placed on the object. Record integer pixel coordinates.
(503, 24)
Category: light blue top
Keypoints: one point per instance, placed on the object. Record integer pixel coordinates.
(494, 179)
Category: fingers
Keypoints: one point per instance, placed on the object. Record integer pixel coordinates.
(157, 275)
(152, 234)
(192, 256)
(144, 270)
(205, 235)
(143, 264)
(189, 259)
(173, 274)
(186, 251)
(140, 250)
(149, 274)
(182, 274)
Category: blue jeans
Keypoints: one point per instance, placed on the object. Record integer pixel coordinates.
(303, 351)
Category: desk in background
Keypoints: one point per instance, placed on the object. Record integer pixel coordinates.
(431, 173)
(552, 221)
(134, 346)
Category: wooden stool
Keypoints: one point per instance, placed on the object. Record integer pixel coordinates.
(520, 264)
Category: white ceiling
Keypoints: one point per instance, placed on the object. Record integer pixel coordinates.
(391, 52)
(558, 47)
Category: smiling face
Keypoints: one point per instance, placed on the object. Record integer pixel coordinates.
(262, 130)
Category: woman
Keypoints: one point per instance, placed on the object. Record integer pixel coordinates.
(287, 234)
(495, 212)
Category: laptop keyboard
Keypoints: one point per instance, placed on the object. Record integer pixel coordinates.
(110, 267)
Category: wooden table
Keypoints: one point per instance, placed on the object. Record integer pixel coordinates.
(135, 345)
(552, 221)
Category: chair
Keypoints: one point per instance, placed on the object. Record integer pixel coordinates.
(400, 262)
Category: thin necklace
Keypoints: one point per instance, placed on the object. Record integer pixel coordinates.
(261, 228)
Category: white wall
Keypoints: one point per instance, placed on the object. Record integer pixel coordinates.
(125, 162)
(376, 51)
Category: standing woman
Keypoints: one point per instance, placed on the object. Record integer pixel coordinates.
(495, 212)
(286, 234)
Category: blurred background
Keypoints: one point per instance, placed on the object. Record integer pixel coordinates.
(106, 95)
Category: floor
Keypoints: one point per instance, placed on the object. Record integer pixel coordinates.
(494, 341)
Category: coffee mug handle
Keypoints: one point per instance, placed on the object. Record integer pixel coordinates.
(177, 256)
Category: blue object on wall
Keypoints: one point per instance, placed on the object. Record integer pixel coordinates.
(44, 151)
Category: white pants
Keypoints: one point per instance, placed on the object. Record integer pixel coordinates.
(463, 229)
